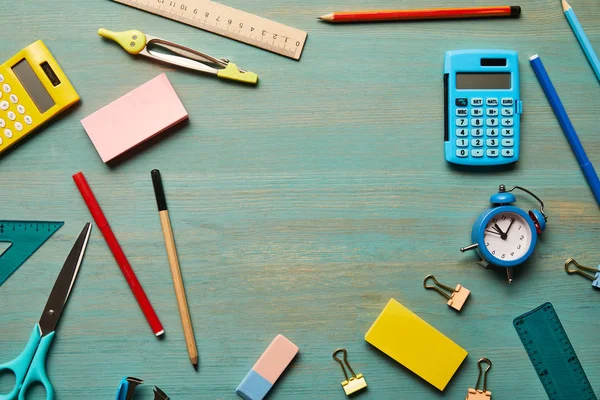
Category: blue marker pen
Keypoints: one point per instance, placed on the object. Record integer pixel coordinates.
(566, 125)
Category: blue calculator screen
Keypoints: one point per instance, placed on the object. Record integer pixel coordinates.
(482, 81)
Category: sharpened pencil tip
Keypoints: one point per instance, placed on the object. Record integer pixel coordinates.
(327, 17)
(565, 5)
(195, 367)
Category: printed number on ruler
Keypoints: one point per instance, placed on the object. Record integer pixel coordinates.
(229, 22)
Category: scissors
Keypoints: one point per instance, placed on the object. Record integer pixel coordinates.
(135, 42)
(127, 387)
(30, 366)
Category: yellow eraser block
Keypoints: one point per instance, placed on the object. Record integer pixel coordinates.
(402, 335)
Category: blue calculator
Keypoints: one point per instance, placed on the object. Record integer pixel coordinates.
(482, 107)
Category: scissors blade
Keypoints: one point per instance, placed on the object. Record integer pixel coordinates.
(64, 283)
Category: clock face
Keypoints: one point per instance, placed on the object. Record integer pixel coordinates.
(508, 236)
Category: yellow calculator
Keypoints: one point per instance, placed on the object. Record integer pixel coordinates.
(33, 89)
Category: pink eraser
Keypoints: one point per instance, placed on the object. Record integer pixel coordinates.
(276, 358)
(137, 116)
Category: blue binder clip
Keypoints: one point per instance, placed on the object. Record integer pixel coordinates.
(126, 389)
(579, 269)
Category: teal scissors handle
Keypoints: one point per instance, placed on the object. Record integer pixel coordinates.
(30, 366)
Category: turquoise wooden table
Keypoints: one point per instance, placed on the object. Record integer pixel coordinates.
(300, 206)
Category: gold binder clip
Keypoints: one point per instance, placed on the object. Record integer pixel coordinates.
(356, 382)
(458, 297)
(476, 394)
(579, 269)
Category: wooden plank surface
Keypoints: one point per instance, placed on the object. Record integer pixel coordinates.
(300, 206)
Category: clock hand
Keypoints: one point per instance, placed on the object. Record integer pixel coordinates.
(512, 221)
(502, 234)
(494, 232)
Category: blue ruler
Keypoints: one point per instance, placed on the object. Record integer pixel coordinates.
(552, 355)
(25, 238)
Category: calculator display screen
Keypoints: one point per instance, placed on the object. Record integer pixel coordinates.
(484, 80)
(33, 86)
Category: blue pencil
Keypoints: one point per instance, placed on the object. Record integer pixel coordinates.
(566, 125)
(582, 37)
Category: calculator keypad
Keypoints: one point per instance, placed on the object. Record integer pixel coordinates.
(484, 127)
(13, 120)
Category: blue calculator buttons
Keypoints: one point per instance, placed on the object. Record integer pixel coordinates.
(507, 112)
(461, 122)
(491, 102)
(491, 122)
(462, 142)
(461, 132)
(492, 153)
(477, 153)
(491, 112)
(507, 101)
(507, 122)
(476, 122)
(491, 132)
(507, 142)
(476, 101)
(462, 102)
(507, 132)
(476, 112)
(477, 132)
(462, 112)
(476, 142)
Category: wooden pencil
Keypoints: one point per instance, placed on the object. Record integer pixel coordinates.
(423, 14)
(586, 46)
(184, 312)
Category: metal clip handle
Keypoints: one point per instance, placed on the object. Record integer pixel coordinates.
(484, 373)
(579, 269)
(439, 285)
(345, 361)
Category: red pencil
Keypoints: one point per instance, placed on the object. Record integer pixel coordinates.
(117, 251)
(432, 13)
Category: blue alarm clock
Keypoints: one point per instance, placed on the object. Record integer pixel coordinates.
(505, 236)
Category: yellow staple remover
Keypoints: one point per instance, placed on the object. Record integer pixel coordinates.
(135, 42)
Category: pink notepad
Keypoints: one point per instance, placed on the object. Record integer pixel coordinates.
(139, 115)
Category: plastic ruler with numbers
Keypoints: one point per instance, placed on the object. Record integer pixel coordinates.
(229, 22)
(25, 237)
(552, 355)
